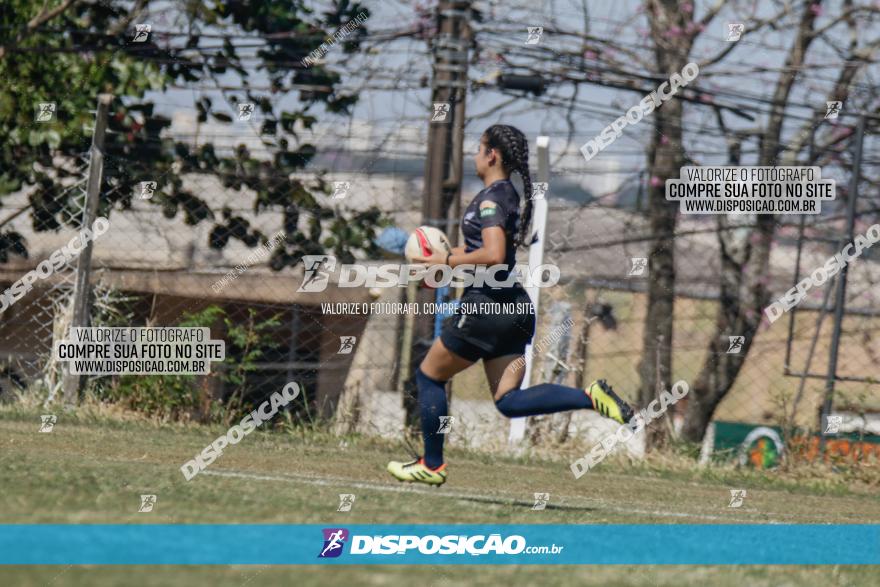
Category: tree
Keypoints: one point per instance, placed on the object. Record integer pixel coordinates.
(71, 52)
(665, 158)
(677, 32)
(745, 253)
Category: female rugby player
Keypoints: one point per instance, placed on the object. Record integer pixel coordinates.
(493, 227)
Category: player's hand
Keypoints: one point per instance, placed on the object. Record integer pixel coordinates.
(438, 258)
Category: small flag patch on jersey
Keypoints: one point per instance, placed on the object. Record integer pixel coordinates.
(488, 209)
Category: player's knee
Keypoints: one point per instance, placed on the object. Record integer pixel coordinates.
(504, 405)
(504, 409)
(502, 389)
(430, 375)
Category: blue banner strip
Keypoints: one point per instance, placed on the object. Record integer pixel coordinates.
(225, 544)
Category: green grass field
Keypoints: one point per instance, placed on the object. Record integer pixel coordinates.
(93, 470)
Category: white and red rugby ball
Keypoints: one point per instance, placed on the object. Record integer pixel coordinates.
(426, 240)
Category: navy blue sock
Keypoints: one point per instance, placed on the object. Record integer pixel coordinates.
(545, 398)
(432, 405)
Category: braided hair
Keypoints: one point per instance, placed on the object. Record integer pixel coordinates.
(514, 149)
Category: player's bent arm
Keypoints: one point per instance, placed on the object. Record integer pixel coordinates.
(491, 253)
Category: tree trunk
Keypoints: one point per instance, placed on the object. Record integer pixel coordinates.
(741, 303)
(744, 264)
(665, 159)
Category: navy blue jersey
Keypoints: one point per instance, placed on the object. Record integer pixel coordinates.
(495, 205)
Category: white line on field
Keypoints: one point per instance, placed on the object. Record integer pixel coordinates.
(335, 481)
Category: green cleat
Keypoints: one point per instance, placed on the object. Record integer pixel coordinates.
(418, 472)
(606, 402)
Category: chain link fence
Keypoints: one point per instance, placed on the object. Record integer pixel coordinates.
(152, 270)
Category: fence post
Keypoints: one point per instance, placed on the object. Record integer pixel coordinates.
(82, 285)
(840, 294)
(536, 258)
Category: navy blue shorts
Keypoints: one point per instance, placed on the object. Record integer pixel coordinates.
(490, 323)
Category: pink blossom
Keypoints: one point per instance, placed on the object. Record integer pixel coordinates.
(842, 131)
(656, 181)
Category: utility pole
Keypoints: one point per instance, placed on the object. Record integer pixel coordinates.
(82, 286)
(441, 201)
(443, 167)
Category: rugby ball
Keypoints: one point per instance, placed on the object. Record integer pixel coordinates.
(425, 241)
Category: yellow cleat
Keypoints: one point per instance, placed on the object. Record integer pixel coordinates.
(606, 402)
(418, 472)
